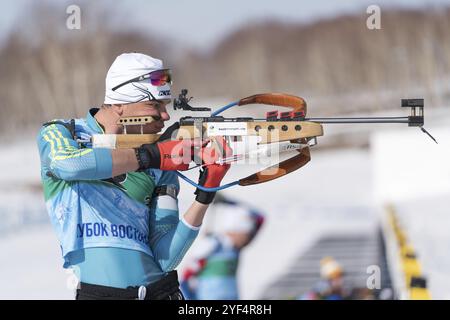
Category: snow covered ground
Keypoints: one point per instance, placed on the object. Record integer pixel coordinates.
(31, 266)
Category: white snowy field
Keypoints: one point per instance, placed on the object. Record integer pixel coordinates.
(30, 263)
(31, 266)
(337, 191)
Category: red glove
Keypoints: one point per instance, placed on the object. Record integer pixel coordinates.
(212, 173)
(175, 155)
(167, 154)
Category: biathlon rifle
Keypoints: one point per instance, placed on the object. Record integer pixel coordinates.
(277, 132)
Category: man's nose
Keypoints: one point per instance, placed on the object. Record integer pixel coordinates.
(164, 116)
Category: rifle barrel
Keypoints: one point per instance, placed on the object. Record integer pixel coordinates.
(360, 120)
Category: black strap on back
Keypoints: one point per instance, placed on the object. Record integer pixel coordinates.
(69, 126)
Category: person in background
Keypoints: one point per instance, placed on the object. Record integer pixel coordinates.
(211, 273)
(331, 285)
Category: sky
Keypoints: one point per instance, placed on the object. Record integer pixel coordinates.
(203, 23)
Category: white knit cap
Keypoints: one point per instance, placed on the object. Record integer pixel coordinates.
(233, 219)
(126, 67)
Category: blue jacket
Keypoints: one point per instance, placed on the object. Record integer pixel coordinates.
(90, 212)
